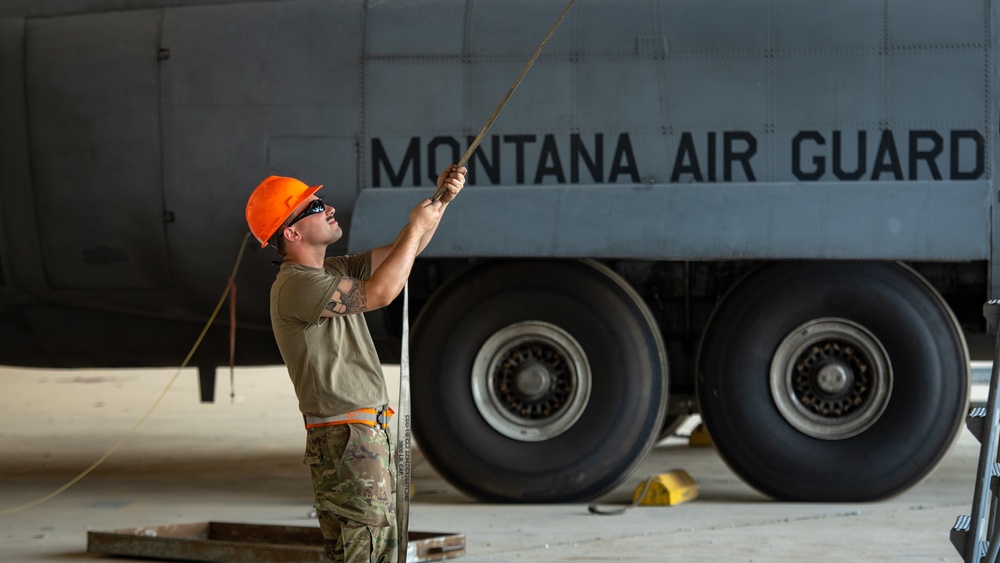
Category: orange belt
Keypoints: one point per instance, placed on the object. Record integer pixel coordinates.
(371, 417)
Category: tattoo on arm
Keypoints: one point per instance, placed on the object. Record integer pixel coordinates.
(348, 298)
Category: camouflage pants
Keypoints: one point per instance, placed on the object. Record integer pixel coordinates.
(355, 491)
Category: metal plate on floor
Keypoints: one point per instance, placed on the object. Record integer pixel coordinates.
(249, 543)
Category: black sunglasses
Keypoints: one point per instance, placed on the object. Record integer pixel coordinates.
(317, 206)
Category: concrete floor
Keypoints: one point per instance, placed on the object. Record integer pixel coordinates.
(240, 461)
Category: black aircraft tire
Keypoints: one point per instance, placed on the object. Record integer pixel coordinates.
(792, 336)
(562, 326)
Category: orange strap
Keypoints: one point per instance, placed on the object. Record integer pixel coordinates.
(369, 417)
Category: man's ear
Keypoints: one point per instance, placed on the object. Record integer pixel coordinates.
(291, 234)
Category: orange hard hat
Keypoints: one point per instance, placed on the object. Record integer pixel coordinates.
(272, 202)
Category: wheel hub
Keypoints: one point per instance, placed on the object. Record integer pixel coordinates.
(531, 381)
(831, 378)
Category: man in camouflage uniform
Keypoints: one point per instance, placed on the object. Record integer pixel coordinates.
(315, 314)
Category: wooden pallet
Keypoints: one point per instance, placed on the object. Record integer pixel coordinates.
(249, 543)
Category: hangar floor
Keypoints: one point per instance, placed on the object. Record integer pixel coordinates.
(239, 460)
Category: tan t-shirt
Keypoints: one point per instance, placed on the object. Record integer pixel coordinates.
(331, 360)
